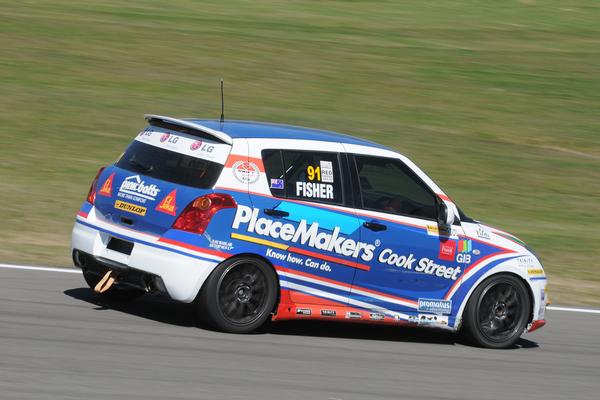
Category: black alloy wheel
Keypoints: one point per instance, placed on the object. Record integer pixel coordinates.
(242, 293)
(239, 296)
(497, 312)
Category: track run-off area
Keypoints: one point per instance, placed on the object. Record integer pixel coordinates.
(59, 340)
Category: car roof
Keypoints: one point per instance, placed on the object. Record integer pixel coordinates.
(266, 130)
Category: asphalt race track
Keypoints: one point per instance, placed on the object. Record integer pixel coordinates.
(58, 340)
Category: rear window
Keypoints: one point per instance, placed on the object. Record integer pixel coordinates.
(169, 166)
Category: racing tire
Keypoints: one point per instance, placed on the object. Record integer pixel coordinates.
(116, 292)
(239, 296)
(497, 312)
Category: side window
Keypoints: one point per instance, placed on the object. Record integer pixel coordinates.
(387, 185)
(313, 176)
(273, 162)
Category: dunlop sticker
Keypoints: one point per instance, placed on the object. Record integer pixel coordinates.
(132, 208)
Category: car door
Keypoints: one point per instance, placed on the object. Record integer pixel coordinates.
(309, 193)
(413, 264)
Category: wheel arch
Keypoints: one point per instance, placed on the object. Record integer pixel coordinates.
(250, 255)
(492, 273)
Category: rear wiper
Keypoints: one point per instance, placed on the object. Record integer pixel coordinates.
(141, 165)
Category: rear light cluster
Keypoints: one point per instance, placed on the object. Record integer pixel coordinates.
(198, 213)
(91, 197)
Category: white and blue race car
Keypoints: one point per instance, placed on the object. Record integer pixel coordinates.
(255, 221)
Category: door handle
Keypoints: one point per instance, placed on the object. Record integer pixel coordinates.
(374, 226)
(276, 213)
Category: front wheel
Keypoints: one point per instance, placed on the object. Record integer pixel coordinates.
(497, 312)
(239, 295)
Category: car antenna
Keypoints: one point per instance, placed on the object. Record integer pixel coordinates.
(222, 105)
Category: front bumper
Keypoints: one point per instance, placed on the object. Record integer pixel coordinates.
(538, 287)
(535, 325)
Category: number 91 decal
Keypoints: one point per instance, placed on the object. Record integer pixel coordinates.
(319, 179)
(313, 173)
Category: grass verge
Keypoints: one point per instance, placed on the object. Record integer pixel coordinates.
(498, 102)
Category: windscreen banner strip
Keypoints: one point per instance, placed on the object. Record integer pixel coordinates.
(185, 144)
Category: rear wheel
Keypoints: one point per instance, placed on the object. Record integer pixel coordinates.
(239, 295)
(116, 292)
(497, 312)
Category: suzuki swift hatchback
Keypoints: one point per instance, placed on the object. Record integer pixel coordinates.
(253, 221)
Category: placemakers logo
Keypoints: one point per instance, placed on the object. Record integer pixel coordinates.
(138, 190)
(309, 235)
(304, 234)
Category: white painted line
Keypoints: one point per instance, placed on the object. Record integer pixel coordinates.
(580, 310)
(67, 270)
(78, 271)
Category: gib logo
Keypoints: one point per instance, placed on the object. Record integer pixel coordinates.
(304, 234)
(134, 185)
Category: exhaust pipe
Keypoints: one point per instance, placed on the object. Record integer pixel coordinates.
(153, 284)
(79, 259)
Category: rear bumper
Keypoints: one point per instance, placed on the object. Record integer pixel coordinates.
(126, 276)
(181, 271)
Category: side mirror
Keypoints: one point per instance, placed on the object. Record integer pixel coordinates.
(445, 216)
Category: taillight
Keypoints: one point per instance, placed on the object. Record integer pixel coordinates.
(197, 214)
(91, 197)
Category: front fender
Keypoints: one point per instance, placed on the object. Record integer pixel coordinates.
(524, 266)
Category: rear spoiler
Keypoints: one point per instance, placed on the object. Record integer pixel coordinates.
(188, 127)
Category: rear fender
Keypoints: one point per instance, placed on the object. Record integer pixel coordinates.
(252, 255)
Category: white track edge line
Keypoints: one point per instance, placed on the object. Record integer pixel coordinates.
(29, 267)
(77, 271)
(579, 310)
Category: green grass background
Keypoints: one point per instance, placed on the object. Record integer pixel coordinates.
(498, 101)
